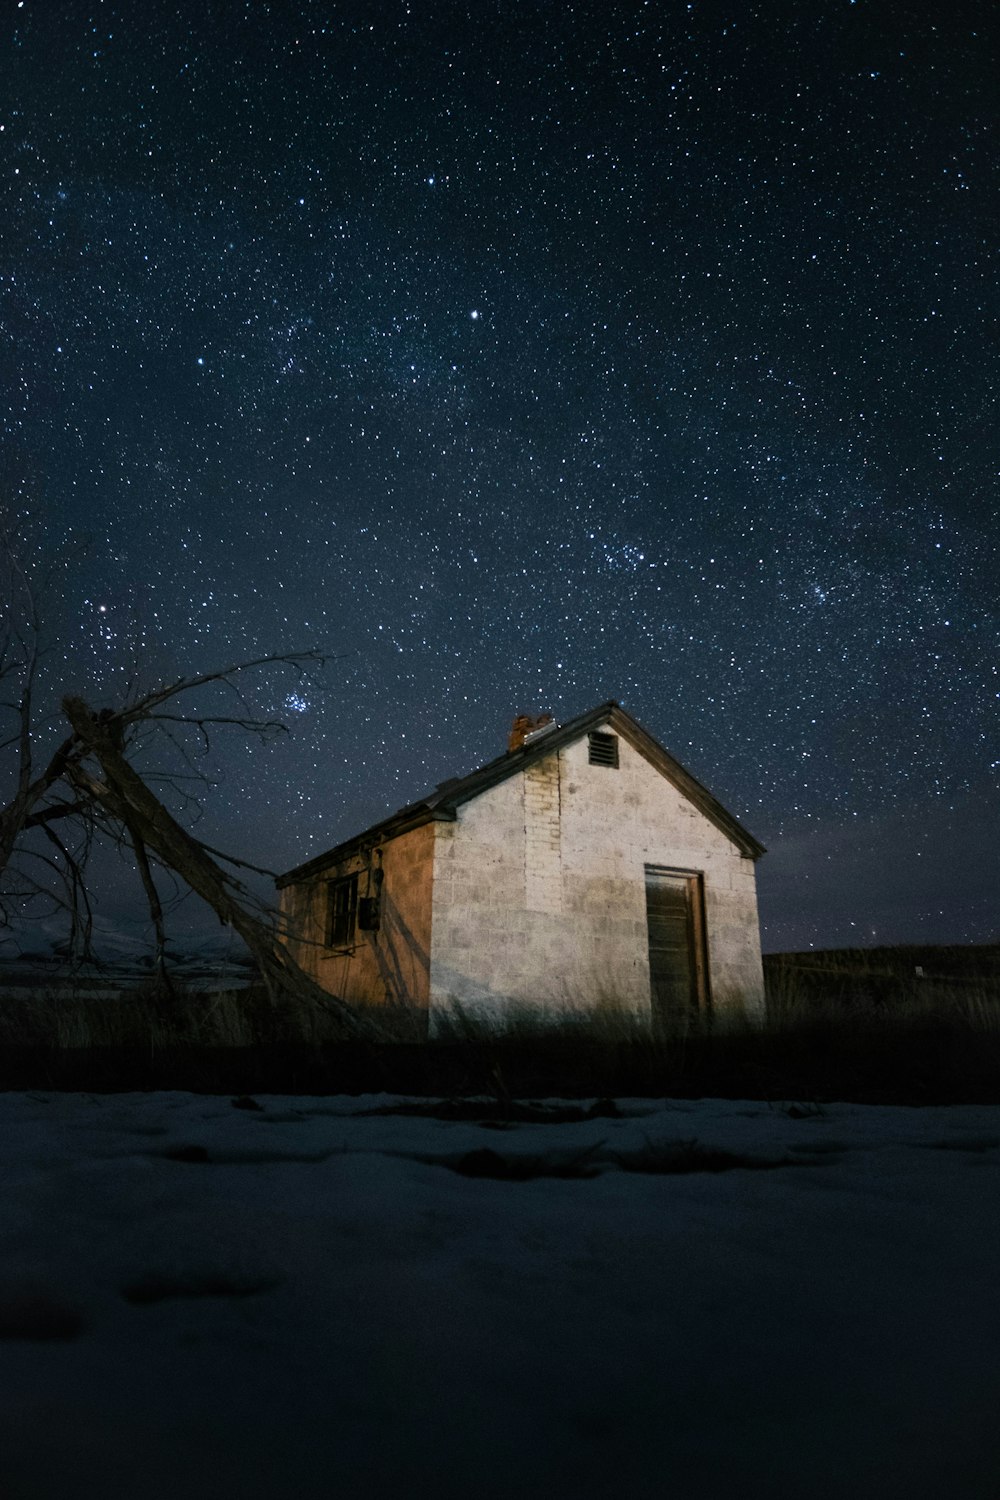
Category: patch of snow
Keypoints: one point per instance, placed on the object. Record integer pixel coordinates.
(309, 1299)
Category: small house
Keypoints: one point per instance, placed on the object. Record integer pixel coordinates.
(583, 868)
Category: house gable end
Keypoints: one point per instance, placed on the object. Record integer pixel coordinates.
(607, 715)
(443, 804)
(686, 784)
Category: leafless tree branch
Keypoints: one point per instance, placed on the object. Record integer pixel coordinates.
(126, 797)
(295, 659)
(90, 785)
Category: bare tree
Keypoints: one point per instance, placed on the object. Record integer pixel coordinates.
(89, 787)
(32, 798)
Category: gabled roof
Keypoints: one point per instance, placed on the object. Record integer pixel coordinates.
(443, 803)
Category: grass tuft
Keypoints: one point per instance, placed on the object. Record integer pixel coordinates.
(849, 1026)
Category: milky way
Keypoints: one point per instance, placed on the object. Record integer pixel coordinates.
(524, 356)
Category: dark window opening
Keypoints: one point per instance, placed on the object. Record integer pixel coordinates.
(341, 911)
(603, 749)
(369, 915)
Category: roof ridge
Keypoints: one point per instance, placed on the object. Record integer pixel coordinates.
(442, 803)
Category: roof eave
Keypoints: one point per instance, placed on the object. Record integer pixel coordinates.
(688, 785)
(514, 761)
(442, 805)
(390, 828)
(630, 729)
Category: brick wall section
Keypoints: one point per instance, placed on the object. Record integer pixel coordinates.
(391, 966)
(543, 836)
(493, 947)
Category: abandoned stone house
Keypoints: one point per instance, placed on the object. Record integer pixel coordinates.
(584, 867)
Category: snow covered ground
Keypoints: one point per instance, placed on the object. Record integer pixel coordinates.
(308, 1300)
(23, 975)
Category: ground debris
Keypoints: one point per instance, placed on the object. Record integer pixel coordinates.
(486, 1163)
(501, 1111)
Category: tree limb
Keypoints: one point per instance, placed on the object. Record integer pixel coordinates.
(125, 795)
(142, 708)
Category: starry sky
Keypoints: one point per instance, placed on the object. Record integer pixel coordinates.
(523, 356)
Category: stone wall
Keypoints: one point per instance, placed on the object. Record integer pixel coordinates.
(539, 897)
(391, 966)
(543, 837)
(540, 890)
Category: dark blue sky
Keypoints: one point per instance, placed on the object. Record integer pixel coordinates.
(525, 356)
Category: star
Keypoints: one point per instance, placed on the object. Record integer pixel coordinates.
(659, 485)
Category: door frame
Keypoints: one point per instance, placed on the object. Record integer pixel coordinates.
(697, 930)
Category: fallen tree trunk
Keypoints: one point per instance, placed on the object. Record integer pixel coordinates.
(125, 796)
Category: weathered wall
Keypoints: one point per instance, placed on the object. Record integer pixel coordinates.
(391, 966)
(539, 897)
(540, 889)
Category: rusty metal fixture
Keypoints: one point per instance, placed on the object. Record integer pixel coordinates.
(524, 725)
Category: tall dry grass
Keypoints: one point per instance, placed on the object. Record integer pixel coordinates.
(857, 1038)
(153, 1019)
(150, 1018)
(850, 996)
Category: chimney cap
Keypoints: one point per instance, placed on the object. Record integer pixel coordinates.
(528, 726)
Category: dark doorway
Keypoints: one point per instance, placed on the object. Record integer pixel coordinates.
(678, 967)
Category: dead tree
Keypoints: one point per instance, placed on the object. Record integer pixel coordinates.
(124, 796)
(89, 787)
(33, 796)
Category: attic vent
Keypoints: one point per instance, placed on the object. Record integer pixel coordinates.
(603, 749)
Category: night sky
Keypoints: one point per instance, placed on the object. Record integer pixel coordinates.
(523, 356)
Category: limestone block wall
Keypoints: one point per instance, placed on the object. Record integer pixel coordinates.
(615, 823)
(543, 837)
(540, 889)
(487, 946)
(391, 966)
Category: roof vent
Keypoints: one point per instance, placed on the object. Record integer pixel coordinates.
(525, 728)
(603, 749)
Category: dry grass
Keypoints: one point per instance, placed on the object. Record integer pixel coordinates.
(847, 993)
(150, 1018)
(153, 1019)
(608, 1022)
(845, 1034)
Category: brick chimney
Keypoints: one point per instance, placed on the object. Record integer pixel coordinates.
(524, 725)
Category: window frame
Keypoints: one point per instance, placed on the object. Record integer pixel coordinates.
(341, 922)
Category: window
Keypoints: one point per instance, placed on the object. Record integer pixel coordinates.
(603, 749)
(342, 906)
(369, 914)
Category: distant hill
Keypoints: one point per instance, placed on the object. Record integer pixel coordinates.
(210, 968)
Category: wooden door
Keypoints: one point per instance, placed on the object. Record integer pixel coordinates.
(677, 963)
